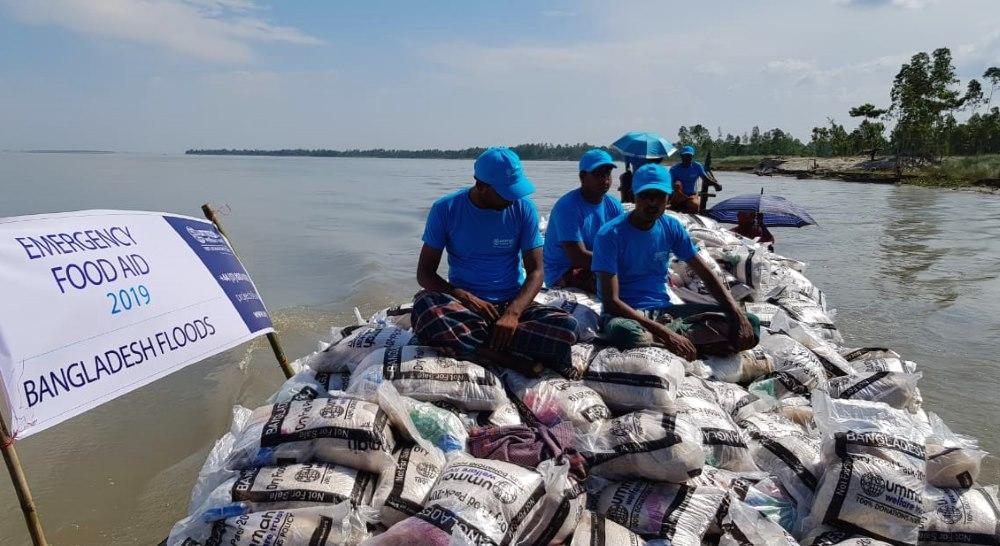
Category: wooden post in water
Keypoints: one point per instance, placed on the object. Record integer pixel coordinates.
(272, 338)
(21, 486)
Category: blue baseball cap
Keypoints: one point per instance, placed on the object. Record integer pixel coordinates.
(502, 170)
(592, 159)
(652, 177)
(687, 150)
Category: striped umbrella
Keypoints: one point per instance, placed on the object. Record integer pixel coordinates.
(778, 211)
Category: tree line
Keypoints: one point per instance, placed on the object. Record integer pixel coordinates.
(540, 151)
(925, 101)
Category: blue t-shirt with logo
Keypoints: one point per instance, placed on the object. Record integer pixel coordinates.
(640, 258)
(484, 246)
(688, 176)
(573, 218)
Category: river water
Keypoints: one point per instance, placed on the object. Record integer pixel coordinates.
(914, 269)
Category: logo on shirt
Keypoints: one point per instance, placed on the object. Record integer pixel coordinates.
(503, 243)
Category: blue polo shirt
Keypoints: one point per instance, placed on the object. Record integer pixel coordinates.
(484, 246)
(640, 258)
(573, 218)
(688, 176)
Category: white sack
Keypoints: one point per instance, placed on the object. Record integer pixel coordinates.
(552, 399)
(643, 378)
(961, 517)
(402, 491)
(678, 513)
(424, 374)
(644, 445)
(337, 430)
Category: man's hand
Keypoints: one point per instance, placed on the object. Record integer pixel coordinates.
(678, 344)
(478, 306)
(503, 331)
(743, 337)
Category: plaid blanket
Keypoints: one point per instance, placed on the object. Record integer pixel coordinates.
(545, 334)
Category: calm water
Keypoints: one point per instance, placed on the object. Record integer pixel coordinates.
(909, 268)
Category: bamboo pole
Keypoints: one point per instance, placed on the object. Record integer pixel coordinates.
(21, 486)
(272, 337)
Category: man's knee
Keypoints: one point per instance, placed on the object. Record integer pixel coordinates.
(625, 333)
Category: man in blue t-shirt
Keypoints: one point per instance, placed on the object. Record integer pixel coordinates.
(685, 175)
(485, 309)
(574, 221)
(631, 259)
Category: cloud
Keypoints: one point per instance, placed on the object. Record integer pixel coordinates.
(909, 4)
(791, 66)
(213, 30)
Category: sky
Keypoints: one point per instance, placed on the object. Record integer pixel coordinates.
(167, 75)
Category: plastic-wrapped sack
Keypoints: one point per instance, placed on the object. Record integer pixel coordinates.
(788, 354)
(308, 384)
(551, 399)
(581, 355)
(953, 460)
(297, 485)
(644, 445)
(768, 497)
(678, 513)
(401, 492)
(594, 530)
(811, 315)
(742, 367)
(422, 373)
(798, 409)
(961, 517)
(899, 390)
(635, 379)
(347, 353)
(833, 363)
(829, 536)
(337, 430)
(887, 364)
(764, 311)
(787, 283)
(745, 263)
(480, 501)
(744, 526)
(873, 479)
(864, 353)
(723, 442)
(397, 315)
(560, 512)
(789, 383)
(734, 399)
(585, 308)
(343, 524)
(784, 450)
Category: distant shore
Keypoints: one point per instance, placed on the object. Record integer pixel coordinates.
(980, 172)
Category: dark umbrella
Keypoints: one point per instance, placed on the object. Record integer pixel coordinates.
(777, 210)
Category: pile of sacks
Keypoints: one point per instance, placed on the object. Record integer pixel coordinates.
(802, 440)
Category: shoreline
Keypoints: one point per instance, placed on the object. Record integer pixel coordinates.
(951, 173)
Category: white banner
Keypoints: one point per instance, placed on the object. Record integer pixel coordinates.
(94, 304)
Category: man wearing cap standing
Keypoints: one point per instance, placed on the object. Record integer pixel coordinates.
(575, 219)
(631, 259)
(685, 176)
(485, 309)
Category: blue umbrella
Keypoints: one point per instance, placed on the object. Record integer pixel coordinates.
(777, 210)
(636, 145)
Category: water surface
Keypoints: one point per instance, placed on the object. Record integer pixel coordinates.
(910, 268)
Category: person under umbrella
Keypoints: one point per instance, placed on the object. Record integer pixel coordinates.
(639, 148)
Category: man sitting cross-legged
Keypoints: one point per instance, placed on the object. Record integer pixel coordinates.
(485, 309)
(631, 258)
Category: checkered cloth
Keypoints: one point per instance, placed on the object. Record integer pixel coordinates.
(544, 334)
